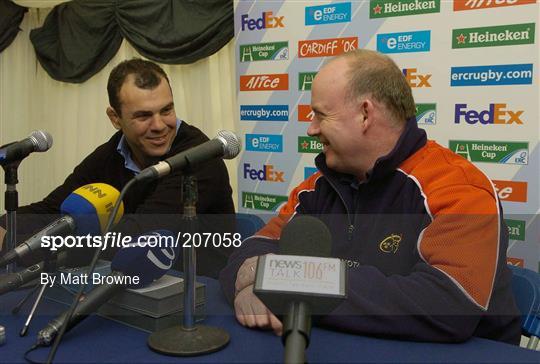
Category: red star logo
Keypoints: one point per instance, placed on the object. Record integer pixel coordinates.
(377, 9)
(305, 145)
(461, 39)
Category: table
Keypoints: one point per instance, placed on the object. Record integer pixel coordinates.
(100, 340)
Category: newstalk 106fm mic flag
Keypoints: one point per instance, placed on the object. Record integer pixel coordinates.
(38, 141)
(142, 261)
(85, 211)
(300, 281)
(225, 145)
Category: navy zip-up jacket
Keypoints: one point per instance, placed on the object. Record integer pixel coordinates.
(424, 240)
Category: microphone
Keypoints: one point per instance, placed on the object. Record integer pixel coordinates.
(86, 212)
(12, 281)
(136, 260)
(38, 141)
(225, 145)
(299, 279)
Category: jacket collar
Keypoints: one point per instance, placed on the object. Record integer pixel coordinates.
(412, 139)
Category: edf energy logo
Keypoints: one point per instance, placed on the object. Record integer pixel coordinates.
(389, 8)
(405, 42)
(415, 79)
(491, 152)
(277, 51)
(309, 171)
(276, 82)
(327, 14)
(483, 4)
(266, 21)
(259, 201)
(503, 74)
(326, 47)
(426, 114)
(264, 112)
(501, 35)
(307, 144)
(267, 173)
(264, 143)
(495, 114)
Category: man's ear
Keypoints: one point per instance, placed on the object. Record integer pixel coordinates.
(114, 118)
(365, 113)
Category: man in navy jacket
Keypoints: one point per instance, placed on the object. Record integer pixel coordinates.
(420, 227)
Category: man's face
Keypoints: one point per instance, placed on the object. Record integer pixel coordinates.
(337, 121)
(147, 120)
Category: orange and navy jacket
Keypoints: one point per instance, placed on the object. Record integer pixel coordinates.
(423, 238)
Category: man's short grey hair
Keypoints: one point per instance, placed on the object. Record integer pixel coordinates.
(372, 73)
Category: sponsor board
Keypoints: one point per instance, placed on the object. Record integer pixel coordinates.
(493, 36)
(513, 191)
(261, 201)
(264, 143)
(495, 114)
(404, 42)
(305, 79)
(275, 51)
(491, 151)
(415, 79)
(328, 14)
(389, 8)
(265, 82)
(264, 112)
(502, 74)
(326, 47)
(307, 144)
(305, 113)
(516, 229)
(309, 171)
(266, 173)
(460, 5)
(426, 114)
(266, 21)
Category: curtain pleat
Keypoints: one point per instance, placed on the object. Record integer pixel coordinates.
(80, 37)
(11, 16)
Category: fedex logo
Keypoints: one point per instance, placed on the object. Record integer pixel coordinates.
(496, 114)
(267, 173)
(271, 82)
(415, 79)
(267, 20)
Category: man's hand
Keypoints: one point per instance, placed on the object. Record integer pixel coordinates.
(2, 235)
(246, 274)
(251, 312)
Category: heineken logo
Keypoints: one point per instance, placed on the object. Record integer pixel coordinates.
(307, 144)
(305, 80)
(500, 35)
(426, 114)
(389, 8)
(516, 229)
(260, 201)
(276, 51)
(491, 152)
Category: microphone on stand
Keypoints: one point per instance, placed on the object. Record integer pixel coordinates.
(38, 141)
(135, 261)
(301, 281)
(225, 145)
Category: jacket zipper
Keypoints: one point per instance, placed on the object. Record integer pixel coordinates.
(350, 228)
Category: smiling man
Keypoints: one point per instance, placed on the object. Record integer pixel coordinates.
(142, 110)
(420, 228)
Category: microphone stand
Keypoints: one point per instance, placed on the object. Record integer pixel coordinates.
(11, 204)
(296, 332)
(189, 339)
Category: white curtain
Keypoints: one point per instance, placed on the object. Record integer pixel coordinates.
(74, 114)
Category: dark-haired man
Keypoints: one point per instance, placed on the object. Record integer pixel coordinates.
(421, 228)
(142, 110)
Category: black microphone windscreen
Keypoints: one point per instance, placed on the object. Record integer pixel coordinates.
(306, 235)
